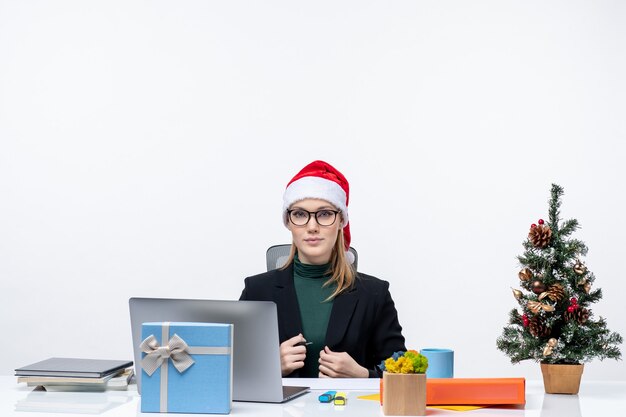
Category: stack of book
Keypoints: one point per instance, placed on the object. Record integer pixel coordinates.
(74, 374)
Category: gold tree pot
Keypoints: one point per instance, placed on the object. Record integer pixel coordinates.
(561, 379)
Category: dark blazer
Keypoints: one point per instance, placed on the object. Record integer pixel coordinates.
(363, 320)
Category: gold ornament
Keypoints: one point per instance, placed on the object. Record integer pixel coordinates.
(525, 274)
(547, 351)
(579, 267)
(536, 307)
(586, 285)
(538, 287)
(516, 293)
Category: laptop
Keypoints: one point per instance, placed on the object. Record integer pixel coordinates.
(256, 351)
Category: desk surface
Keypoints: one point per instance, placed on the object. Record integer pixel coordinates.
(594, 399)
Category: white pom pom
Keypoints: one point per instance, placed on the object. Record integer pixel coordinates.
(350, 257)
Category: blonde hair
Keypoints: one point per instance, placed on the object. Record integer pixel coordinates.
(341, 270)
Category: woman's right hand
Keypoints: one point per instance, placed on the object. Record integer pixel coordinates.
(292, 356)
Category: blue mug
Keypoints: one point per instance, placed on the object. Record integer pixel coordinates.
(440, 363)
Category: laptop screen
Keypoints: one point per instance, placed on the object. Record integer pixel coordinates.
(256, 357)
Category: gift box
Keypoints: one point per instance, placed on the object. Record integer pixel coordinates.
(476, 391)
(471, 391)
(186, 368)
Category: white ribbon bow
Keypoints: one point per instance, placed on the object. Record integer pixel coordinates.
(176, 350)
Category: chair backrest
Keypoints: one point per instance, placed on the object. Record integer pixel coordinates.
(277, 255)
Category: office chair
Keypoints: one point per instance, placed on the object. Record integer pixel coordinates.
(277, 255)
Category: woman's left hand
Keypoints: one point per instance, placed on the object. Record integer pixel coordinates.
(340, 365)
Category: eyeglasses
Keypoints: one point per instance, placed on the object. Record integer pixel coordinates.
(324, 217)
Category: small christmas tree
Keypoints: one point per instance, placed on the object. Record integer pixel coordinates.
(556, 325)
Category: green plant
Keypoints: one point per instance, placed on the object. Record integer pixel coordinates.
(409, 362)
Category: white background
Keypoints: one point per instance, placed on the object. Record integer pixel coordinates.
(145, 146)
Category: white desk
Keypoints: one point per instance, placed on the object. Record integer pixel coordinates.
(595, 399)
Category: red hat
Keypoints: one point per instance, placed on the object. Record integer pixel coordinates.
(320, 180)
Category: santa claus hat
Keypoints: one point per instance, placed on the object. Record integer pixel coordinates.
(320, 180)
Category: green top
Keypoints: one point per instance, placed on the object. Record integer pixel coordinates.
(314, 311)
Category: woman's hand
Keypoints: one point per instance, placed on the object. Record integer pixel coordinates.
(292, 356)
(340, 365)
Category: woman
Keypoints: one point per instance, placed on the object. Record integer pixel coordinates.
(333, 321)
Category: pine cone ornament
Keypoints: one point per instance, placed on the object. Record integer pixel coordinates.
(540, 235)
(555, 292)
(537, 327)
(581, 315)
